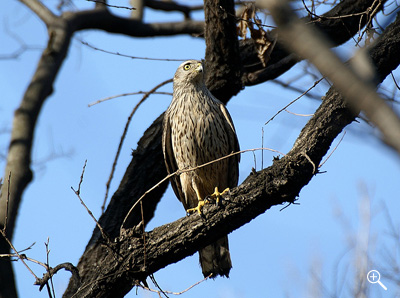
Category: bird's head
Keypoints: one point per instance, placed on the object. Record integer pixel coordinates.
(189, 72)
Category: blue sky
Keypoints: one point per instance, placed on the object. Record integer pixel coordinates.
(278, 254)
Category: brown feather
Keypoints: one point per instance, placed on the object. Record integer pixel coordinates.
(198, 129)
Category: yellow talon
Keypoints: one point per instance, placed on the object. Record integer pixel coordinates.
(217, 195)
(198, 208)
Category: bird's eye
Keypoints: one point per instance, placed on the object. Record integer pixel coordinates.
(187, 66)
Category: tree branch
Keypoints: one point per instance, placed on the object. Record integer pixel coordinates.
(311, 45)
(102, 19)
(278, 184)
(337, 29)
(223, 64)
(40, 10)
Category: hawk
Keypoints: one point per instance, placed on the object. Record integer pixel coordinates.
(197, 129)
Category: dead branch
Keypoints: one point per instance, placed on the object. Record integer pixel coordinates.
(148, 161)
(147, 94)
(75, 278)
(310, 44)
(77, 193)
(339, 30)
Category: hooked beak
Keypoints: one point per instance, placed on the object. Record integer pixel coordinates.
(199, 67)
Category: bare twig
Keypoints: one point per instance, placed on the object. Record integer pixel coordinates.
(51, 291)
(178, 172)
(147, 94)
(144, 236)
(176, 293)
(21, 257)
(394, 80)
(293, 101)
(128, 56)
(50, 273)
(334, 149)
(287, 85)
(336, 17)
(109, 5)
(297, 114)
(125, 94)
(359, 94)
(77, 192)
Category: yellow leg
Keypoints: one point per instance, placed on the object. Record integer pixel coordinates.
(217, 195)
(200, 204)
(198, 208)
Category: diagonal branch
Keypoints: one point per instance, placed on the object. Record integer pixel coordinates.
(309, 44)
(40, 10)
(338, 30)
(103, 19)
(278, 184)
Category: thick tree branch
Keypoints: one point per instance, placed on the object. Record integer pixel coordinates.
(223, 64)
(337, 29)
(127, 194)
(19, 151)
(102, 19)
(278, 184)
(61, 30)
(311, 45)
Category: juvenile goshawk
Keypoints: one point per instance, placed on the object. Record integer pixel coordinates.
(198, 129)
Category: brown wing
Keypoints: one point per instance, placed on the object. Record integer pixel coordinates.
(169, 158)
(233, 147)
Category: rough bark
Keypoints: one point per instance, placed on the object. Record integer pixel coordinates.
(353, 83)
(277, 184)
(61, 29)
(338, 30)
(223, 64)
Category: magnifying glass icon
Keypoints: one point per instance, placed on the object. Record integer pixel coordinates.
(375, 277)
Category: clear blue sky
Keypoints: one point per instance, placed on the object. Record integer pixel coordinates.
(279, 254)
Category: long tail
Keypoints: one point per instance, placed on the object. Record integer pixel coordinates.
(215, 258)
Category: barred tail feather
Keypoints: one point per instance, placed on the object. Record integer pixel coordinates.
(215, 258)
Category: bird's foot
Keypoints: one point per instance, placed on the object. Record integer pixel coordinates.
(198, 208)
(216, 196)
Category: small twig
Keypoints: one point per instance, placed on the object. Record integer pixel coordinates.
(262, 145)
(144, 237)
(289, 86)
(255, 161)
(128, 56)
(25, 257)
(310, 160)
(114, 165)
(21, 257)
(178, 172)
(67, 266)
(334, 149)
(125, 94)
(175, 293)
(288, 204)
(333, 18)
(153, 279)
(296, 114)
(394, 80)
(51, 291)
(109, 5)
(293, 101)
(77, 192)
